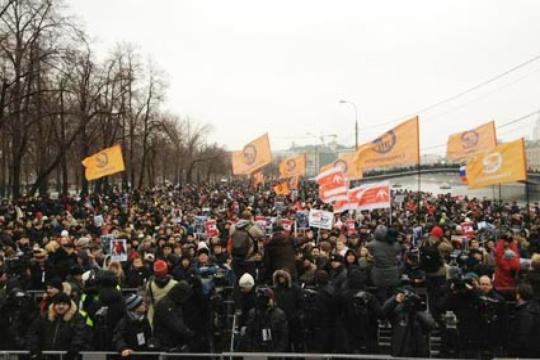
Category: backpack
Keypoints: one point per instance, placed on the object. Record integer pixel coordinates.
(430, 258)
(242, 243)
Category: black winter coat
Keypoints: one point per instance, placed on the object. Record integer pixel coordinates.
(267, 331)
(523, 334)
(63, 262)
(170, 328)
(136, 278)
(409, 330)
(325, 320)
(39, 276)
(132, 334)
(279, 254)
(51, 332)
(110, 299)
(360, 313)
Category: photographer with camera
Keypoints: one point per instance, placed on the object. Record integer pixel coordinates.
(267, 327)
(360, 313)
(480, 313)
(287, 299)
(410, 324)
(17, 312)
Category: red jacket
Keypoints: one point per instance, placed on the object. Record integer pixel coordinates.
(506, 269)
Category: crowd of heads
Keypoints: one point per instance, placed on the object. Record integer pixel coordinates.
(58, 246)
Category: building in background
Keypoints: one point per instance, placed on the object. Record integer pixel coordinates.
(536, 130)
(532, 148)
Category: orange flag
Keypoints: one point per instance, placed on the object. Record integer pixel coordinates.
(106, 162)
(465, 144)
(397, 147)
(258, 178)
(346, 163)
(294, 166)
(505, 163)
(282, 188)
(294, 182)
(254, 156)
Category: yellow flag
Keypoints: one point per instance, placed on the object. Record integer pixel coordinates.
(254, 156)
(106, 162)
(282, 188)
(465, 144)
(294, 166)
(258, 178)
(294, 182)
(505, 163)
(347, 164)
(399, 146)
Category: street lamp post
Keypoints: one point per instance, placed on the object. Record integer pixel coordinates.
(355, 121)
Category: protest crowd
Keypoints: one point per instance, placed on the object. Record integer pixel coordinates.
(187, 268)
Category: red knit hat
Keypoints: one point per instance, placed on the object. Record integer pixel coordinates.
(437, 232)
(160, 268)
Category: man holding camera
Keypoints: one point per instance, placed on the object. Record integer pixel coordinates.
(410, 324)
(267, 328)
(481, 315)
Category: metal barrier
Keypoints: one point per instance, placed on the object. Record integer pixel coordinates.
(96, 355)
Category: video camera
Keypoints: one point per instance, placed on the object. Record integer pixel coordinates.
(488, 309)
(412, 301)
(361, 302)
(263, 296)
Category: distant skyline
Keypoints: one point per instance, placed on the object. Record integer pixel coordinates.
(248, 67)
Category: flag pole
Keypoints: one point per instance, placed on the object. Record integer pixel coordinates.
(419, 174)
(528, 199)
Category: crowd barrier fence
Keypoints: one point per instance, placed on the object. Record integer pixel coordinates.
(96, 355)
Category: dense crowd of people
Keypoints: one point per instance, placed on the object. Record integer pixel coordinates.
(207, 266)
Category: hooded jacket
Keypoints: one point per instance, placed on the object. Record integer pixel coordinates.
(52, 332)
(287, 295)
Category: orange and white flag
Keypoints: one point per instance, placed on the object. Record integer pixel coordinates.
(294, 182)
(464, 145)
(106, 162)
(282, 188)
(371, 196)
(258, 178)
(254, 156)
(346, 162)
(399, 146)
(294, 166)
(333, 185)
(505, 163)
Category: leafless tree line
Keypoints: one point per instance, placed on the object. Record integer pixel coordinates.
(59, 105)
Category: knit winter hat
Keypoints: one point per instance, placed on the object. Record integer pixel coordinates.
(437, 232)
(246, 281)
(161, 268)
(133, 301)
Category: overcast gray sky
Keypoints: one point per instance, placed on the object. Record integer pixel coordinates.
(281, 66)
